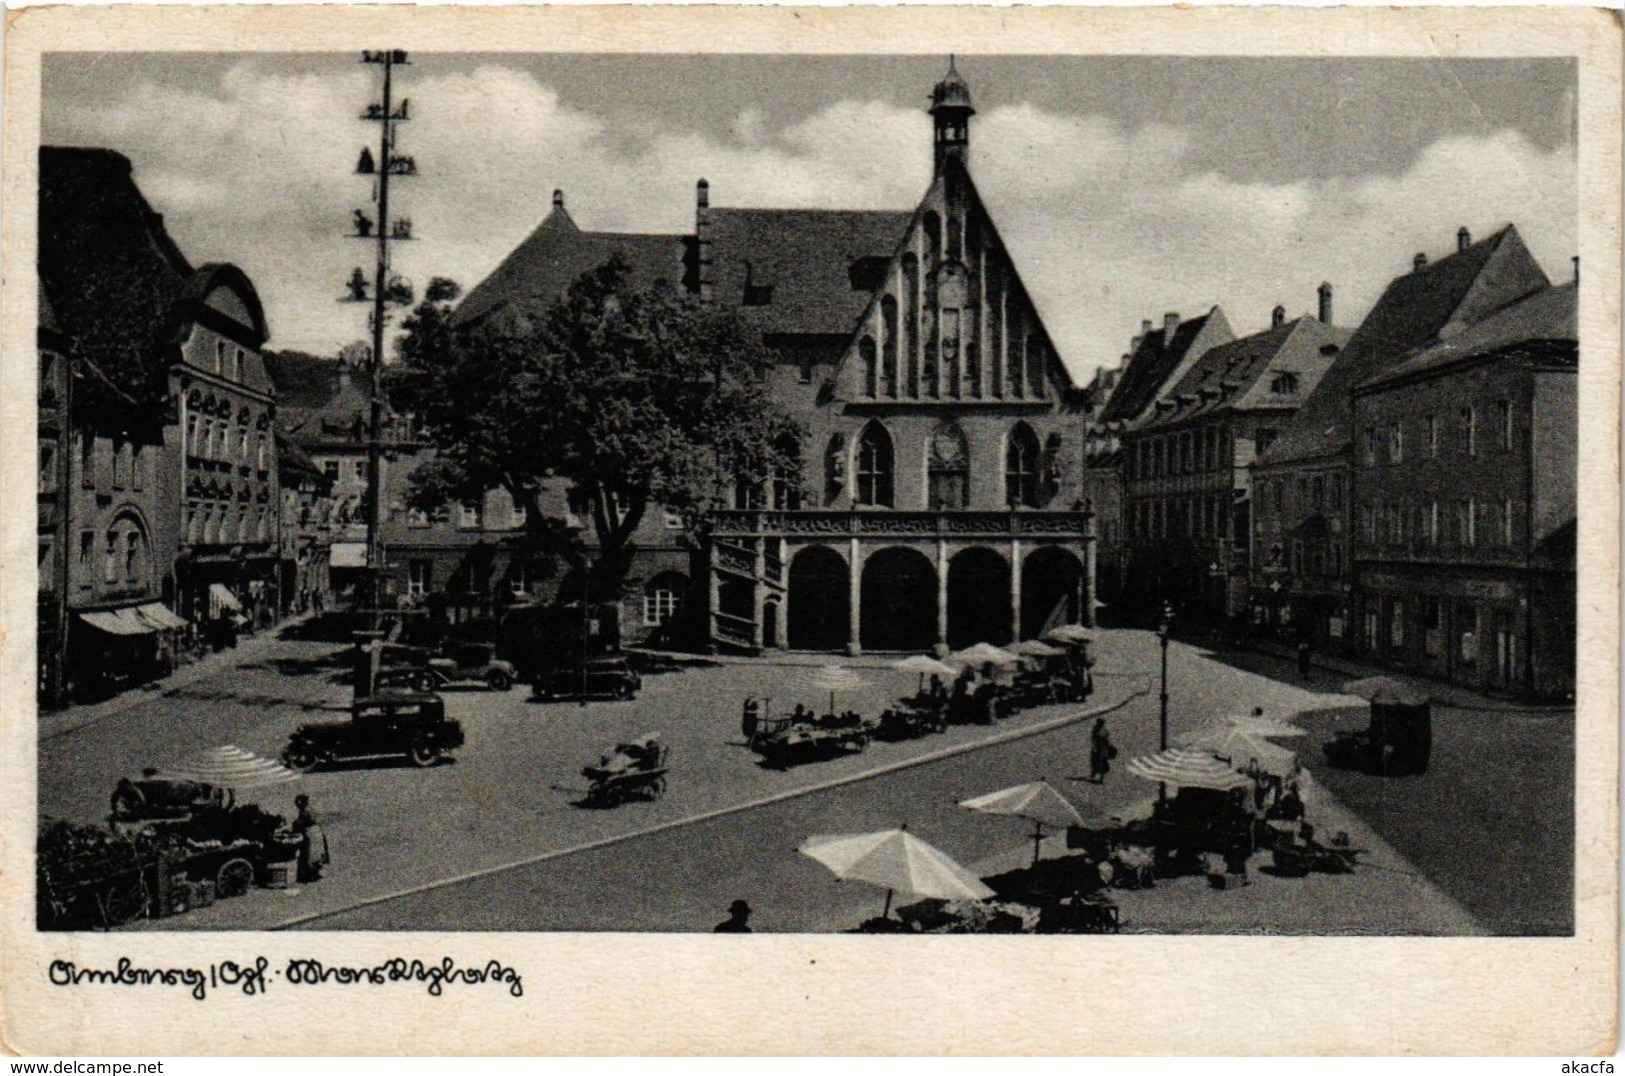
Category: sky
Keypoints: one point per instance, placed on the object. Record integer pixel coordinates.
(1124, 187)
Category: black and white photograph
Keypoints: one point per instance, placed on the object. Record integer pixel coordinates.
(946, 491)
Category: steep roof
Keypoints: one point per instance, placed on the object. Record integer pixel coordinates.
(541, 268)
(1221, 375)
(1550, 314)
(107, 265)
(302, 380)
(807, 257)
(1416, 309)
(1151, 364)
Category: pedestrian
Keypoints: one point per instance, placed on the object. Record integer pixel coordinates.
(1101, 752)
(738, 921)
(313, 851)
(1304, 651)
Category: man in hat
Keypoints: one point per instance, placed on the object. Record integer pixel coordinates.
(738, 921)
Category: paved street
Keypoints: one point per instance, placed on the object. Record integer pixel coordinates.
(497, 840)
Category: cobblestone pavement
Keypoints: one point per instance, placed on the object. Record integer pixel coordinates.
(513, 797)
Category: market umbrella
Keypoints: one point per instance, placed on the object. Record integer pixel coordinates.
(1269, 727)
(1036, 801)
(925, 665)
(830, 678)
(1384, 690)
(897, 861)
(230, 767)
(1033, 648)
(1187, 767)
(982, 654)
(1070, 633)
(1239, 744)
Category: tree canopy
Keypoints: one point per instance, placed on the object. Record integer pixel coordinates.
(629, 397)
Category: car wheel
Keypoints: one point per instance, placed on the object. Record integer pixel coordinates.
(424, 751)
(657, 788)
(234, 878)
(497, 680)
(622, 690)
(301, 757)
(423, 682)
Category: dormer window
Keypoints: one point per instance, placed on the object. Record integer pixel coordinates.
(1284, 385)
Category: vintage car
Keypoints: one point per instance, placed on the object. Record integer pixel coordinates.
(456, 665)
(612, 677)
(412, 724)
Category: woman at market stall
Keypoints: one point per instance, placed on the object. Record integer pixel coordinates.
(313, 853)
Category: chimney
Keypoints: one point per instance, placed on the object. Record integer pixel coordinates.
(1278, 317)
(1464, 239)
(1170, 322)
(1325, 292)
(558, 199)
(1419, 263)
(702, 236)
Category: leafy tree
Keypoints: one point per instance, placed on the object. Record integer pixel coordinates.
(628, 396)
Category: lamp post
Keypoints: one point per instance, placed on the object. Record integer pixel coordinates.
(1163, 627)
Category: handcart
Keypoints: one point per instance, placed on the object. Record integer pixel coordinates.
(634, 770)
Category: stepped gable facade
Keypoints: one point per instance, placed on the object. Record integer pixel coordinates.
(939, 502)
(1186, 459)
(1302, 581)
(1465, 477)
(938, 499)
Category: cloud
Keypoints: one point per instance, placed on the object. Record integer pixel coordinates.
(1108, 223)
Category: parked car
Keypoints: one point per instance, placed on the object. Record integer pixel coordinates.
(412, 724)
(610, 677)
(456, 665)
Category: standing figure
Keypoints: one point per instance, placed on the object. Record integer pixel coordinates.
(1101, 752)
(313, 852)
(1304, 652)
(738, 921)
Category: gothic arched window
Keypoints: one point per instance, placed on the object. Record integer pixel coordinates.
(866, 354)
(875, 467)
(947, 470)
(1022, 478)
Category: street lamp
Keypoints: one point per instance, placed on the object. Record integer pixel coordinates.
(1163, 627)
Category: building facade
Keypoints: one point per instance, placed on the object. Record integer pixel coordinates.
(1186, 460)
(1303, 580)
(1465, 476)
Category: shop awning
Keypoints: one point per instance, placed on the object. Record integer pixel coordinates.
(160, 617)
(117, 622)
(222, 594)
(347, 555)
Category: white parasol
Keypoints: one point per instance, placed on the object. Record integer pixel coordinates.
(925, 665)
(897, 861)
(230, 767)
(1037, 801)
(1070, 633)
(1034, 648)
(830, 678)
(984, 654)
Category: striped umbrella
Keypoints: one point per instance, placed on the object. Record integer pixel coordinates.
(230, 767)
(1187, 767)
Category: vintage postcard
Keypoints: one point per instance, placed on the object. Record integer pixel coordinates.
(520, 492)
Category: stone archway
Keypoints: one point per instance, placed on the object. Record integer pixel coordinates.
(978, 598)
(819, 617)
(899, 600)
(1051, 578)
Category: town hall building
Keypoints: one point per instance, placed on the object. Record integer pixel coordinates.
(940, 497)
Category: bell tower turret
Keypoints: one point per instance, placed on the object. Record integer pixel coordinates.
(951, 110)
